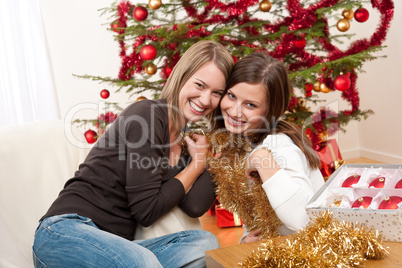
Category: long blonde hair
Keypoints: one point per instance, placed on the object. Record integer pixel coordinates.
(193, 59)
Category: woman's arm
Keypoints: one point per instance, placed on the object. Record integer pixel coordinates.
(284, 172)
(197, 147)
(200, 193)
(144, 129)
(261, 162)
(201, 196)
(149, 195)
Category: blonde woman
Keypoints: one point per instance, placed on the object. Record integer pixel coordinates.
(136, 173)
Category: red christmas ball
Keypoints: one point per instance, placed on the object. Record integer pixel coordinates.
(90, 136)
(105, 94)
(342, 82)
(399, 184)
(390, 202)
(378, 182)
(140, 13)
(363, 201)
(167, 70)
(148, 52)
(351, 181)
(116, 26)
(300, 43)
(308, 87)
(361, 14)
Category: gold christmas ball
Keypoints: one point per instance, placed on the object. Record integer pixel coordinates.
(155, 4)
(323, 136)
(316, 86)
(348, 14)
(140, 98)
(151, 69)
(324, 88)
(265, 5)
(343, 25)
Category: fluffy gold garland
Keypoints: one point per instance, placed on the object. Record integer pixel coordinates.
(324, 243)
(235, 192)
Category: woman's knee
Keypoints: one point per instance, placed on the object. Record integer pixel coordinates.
(205, 239)
(141, 258)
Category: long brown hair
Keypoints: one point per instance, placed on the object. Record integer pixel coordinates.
(193, 59)
(260, 68)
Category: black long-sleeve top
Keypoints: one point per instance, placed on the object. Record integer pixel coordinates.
(126, 178)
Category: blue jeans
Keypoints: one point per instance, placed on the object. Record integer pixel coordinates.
(70, 240)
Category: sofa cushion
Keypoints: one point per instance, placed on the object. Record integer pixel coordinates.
(36, 160)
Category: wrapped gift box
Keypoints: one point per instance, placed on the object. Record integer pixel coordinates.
(226, 218)
(330, 157)
(366, 193)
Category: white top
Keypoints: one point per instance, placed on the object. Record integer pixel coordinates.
(291, 188)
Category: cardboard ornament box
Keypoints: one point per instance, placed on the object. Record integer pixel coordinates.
(366, 193)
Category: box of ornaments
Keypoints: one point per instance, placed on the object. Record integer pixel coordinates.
(366, 193)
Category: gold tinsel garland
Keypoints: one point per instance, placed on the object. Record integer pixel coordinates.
(325, 242)
(235, 192)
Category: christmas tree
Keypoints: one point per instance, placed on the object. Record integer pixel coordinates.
(152, 37)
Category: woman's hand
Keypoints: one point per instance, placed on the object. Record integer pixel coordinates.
(197, 147)
(261, 165)
(253, 236)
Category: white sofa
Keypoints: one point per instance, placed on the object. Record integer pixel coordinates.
(36, 159)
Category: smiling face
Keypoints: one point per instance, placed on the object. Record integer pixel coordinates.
(244, 108)
(201, 94)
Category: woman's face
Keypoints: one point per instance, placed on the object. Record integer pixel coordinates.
(244, 108)
(201, 94)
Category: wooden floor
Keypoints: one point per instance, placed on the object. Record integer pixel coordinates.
(230, 236)
(227, 236)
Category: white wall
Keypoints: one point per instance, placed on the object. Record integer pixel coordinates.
(381, 90)
(79, 43)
